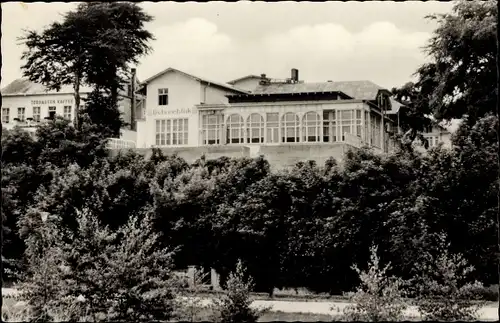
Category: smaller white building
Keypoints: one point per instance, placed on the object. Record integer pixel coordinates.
(26, 104)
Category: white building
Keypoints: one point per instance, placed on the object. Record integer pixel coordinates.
(285, 120)
(26, 104)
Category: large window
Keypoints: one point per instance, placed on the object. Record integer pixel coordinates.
(21, 114)
(255, 129)
(67, 112)
(235, 129)
(171, 132)
(211, 129)
(5, 115)
(311, 127)
(375, 123)
(329, 126)
(433, 140)
(36, 114)
(290, 127)
(350, 121)
(358, 123)
(272, 127)
(162, 96)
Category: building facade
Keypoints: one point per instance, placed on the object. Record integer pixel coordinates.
(285, 120)
(170, 116)
(27, 104)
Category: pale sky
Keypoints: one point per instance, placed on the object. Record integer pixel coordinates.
(379, 41)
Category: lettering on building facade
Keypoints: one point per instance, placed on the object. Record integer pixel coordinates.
(45, 102)
(167, 111)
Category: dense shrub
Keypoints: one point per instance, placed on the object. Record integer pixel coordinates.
(95, 273)
(379, 297)
(444, 292)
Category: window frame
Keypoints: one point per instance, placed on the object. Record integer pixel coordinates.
(67, 115)
(5, 115)
(163, 97)
(293, 125)
(254, 126)
(309, 124)
(171, 132)
(272, 128)
(23, 118)
(37, 114)
(211, 129)
(235, 129)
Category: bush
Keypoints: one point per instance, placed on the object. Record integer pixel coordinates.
(100, 275)
(234, 305)
(378, 298)
(444, 292)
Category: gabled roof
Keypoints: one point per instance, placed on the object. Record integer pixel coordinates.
(361, 90)
(395, 106)
(244, 78)
(24, 86)
(199, 79)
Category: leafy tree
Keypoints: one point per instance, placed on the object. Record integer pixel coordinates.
(120, 39)
(461, 77)
(40, 286)
(61, 144)
(113, 198)
(92, 45)
(379, 297)
(19, 185)
(95, 273)
(104, 113)
(18, 147)
(442, 288)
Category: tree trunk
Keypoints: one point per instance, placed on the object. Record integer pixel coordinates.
(77, 102)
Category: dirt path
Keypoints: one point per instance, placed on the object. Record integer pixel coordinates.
(488, 313)
(324, 307)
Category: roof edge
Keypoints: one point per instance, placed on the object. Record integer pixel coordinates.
(171, 69)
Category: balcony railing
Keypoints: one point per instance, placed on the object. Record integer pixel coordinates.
(115, 143)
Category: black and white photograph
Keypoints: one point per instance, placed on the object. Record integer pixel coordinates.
(250, 161)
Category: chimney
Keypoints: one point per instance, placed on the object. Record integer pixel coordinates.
(295, 75)
(263, 79)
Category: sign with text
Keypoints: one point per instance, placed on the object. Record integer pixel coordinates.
(44, 102)
(169, 111)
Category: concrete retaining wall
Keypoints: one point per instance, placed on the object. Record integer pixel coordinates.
(279, 156)
(191, 154)
(285, 156)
